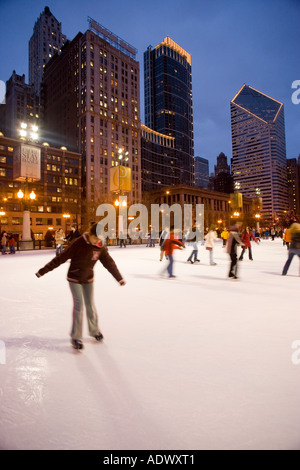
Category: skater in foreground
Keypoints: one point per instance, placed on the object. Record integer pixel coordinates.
(84, 252)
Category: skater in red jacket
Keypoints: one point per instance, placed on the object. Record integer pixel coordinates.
(246, 239)
(169, 246)
(84, 252)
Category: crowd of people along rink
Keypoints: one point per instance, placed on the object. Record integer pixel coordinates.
(85, 249)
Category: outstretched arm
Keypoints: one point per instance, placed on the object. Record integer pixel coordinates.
(57, 261)
(111, 266)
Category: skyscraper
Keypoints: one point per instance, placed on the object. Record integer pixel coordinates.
(258, 149)
(22, 105)
(169, 102)
(222, 179)
(92, 105)
(158, 159)
(293, 184)
(46, 40)
(201, 172)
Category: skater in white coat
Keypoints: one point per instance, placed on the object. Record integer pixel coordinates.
(210, 238)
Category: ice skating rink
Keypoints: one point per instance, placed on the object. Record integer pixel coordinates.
(198, 362)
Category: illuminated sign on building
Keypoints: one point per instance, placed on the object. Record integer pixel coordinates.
(27, 162)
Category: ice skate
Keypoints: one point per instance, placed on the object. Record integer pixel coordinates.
(99, 336)
(77, 344)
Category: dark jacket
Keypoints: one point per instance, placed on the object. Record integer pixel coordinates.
(295, 244)
(73, 235)
(83, 256)
(233, 242)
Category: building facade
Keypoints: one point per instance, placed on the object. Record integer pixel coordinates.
(58, 192)
(201, 172)
(258, 149)
(46, 41)
(293, 175)
(96, 108)
(169, 102)
(158, 160)
(222, 179)
(217, 206)
(22, 105)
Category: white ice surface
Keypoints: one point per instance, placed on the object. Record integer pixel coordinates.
(198, 362)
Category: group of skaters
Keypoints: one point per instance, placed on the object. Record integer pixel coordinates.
(232, 239)
(8, 243)
(85, 250)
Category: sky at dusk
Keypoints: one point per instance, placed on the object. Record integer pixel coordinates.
(232, 42)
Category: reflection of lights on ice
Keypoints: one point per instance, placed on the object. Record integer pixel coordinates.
(31, 379)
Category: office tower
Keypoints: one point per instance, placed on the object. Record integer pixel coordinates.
(258, 149)
(201, 172)
(22, 105)
(158, 160)
(169, 103)
(293, 184)
(46, 40)
(222, 165)
(222, 179)
(92, 104)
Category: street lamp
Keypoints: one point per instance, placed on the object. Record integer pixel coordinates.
(28, 132)
(66, 217)
(257, 216)
(1, 214)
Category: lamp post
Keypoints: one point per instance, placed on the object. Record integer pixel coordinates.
(1, 214)
(257, 216)
(26, 241)
(27, 164)
(66, 217)
(121, 202)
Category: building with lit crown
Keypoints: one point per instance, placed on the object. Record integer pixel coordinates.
(169, 102)
(258, 150)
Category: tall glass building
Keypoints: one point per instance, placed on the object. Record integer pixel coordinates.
(169, 102)
(201, 172)
(258, 149)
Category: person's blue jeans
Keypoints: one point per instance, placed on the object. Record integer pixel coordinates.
(80, 293)
(3, 249)
(193, 254)
(170, 265)
(292, 253)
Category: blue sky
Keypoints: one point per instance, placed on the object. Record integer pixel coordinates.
(231, 42)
